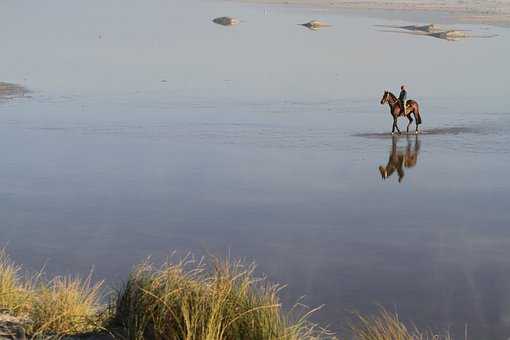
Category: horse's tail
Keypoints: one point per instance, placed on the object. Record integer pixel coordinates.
(417, 114)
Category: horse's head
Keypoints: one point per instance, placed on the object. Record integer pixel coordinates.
(384, 98)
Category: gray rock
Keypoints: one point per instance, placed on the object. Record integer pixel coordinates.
(11, 329)
(226, 21)
(315, 25)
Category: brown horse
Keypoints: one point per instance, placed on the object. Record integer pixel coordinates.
(396, 110)
(400, 159)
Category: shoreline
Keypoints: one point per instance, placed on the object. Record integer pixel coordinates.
(493, 13)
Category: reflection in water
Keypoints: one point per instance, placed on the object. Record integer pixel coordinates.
(401, 158)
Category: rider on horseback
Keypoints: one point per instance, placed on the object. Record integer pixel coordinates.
(402, 97)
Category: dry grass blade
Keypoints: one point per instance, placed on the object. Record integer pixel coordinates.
(387, 326)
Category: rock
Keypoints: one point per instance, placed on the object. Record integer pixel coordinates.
(451, 35)
(11, 328)
(315, 24)
(426, 28)
(226, 21)
(455, 34)
(8, 90)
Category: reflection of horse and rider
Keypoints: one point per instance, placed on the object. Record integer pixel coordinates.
(397, 110)
(400, 158)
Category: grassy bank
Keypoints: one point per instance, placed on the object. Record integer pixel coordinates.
(189, 300)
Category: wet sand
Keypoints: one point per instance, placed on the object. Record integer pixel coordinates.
(432, 131)
(492, 12)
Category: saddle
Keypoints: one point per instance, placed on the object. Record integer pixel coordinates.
(407, 107)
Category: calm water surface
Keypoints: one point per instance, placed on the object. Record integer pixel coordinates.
(151, 129)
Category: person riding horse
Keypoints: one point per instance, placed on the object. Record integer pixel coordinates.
(402, 97)
(396, 108)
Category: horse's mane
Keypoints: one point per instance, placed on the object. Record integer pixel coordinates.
(392, 95)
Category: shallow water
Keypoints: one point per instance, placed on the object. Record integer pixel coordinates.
(149, 128)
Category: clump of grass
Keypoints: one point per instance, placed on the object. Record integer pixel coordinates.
(187, 300)
(61, 306)
(14, 292)
(387, 326)
(205, 301)
(65, 305)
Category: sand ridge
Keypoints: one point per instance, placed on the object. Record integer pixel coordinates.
(493, 12)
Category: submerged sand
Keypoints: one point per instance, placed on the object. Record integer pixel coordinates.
(493, 12)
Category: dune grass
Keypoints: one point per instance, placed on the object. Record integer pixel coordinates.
(206, 301)
(14, 292)
(62, 305)
(387, 326)
(65, 305)
(186, 300)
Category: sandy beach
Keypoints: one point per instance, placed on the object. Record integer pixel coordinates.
(492, 12)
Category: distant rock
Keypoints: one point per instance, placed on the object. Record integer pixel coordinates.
(8, 90)
(425, 28)
(315, 24)
(450, 35)
(226, 21)
(432, 30)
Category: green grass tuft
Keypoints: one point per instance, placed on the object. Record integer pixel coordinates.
(198, 301)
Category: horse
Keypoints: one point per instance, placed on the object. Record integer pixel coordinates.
(396, 110)
(399, 159)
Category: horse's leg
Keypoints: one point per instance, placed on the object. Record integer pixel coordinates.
(417, 116)
(410, 121)
(396, 125)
